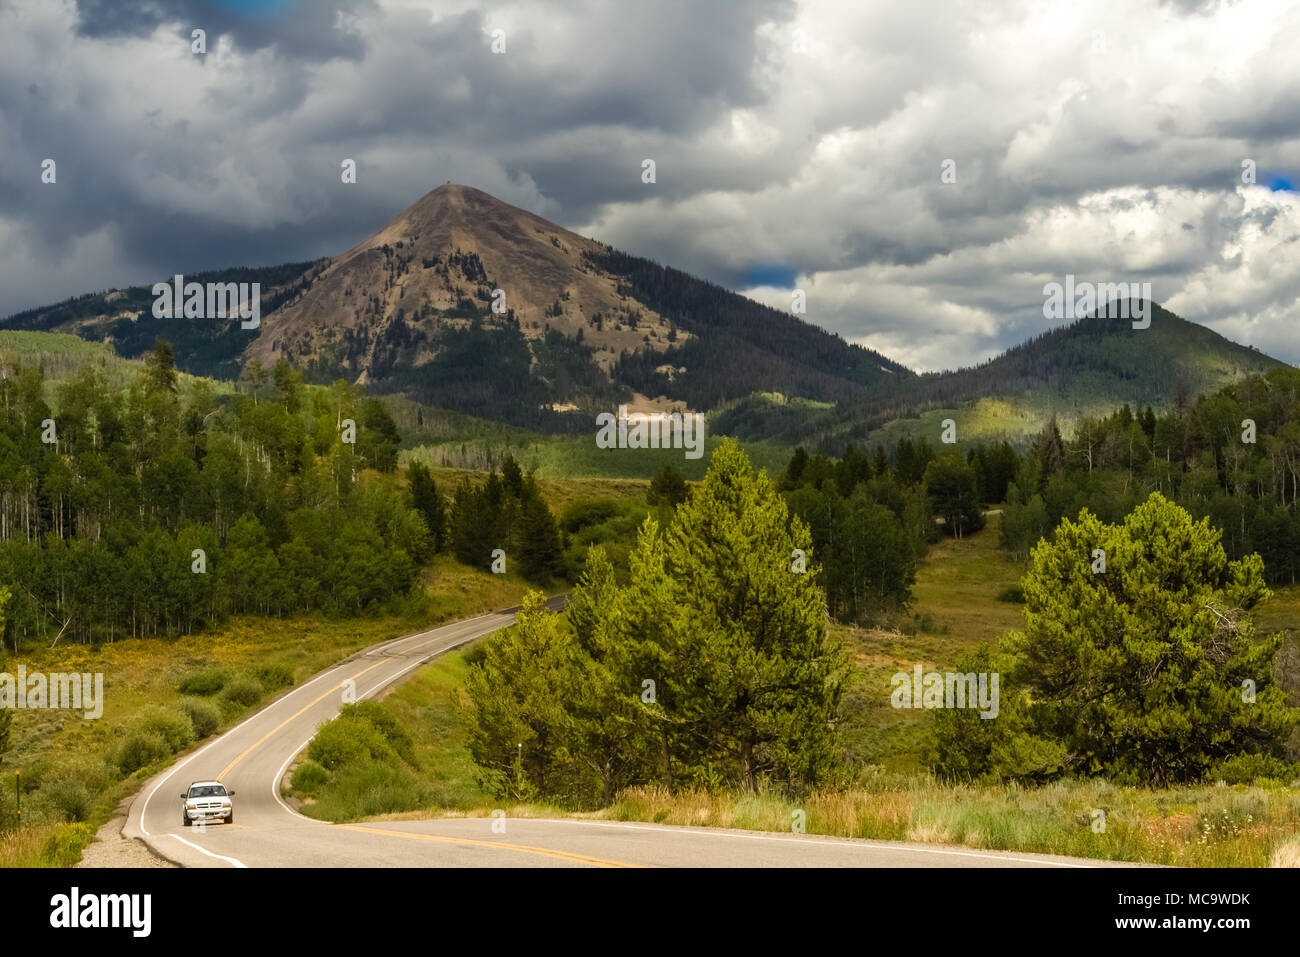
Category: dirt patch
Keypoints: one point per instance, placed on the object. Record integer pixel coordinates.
(111, 849)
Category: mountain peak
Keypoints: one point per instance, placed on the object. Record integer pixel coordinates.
(467, 302)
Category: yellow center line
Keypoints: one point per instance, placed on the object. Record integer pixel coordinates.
(542, 851)
(262, 740)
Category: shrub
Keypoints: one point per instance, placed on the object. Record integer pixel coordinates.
(205, 717)
(309, 778)
(72, 785)
(95, 773)
(929, 625)
(275, 676)
(384, 722)
(8, 810)
(64, 848)
(369, 788)
(1012, 594)
(587, 512)
(72, 800)
(243, 690)
(174, 727)
(140, 748)
(205, 681)
(349, 740)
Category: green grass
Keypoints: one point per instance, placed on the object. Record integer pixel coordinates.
(443, 776)
(1206, 826)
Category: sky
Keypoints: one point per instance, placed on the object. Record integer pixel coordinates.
(920, 170)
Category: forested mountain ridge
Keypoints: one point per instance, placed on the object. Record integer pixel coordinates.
(124, 318)
(468, 303)
(1087, 368)
(1099, 357)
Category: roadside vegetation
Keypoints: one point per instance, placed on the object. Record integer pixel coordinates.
(164, 698)
(695, 678)
(1205, 825)
(1241, 808)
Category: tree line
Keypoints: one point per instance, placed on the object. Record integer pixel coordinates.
(712, 667)
(872, 517)
(162, 508)
(1232, 456)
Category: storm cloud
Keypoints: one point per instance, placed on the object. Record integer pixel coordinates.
(796, 144)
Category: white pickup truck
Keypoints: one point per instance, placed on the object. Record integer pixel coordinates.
(207, 799)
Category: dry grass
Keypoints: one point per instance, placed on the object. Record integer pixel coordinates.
(25, 846)
(1210, 826)
(1286, 854)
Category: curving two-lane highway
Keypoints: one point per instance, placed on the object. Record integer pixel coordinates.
(252, 758)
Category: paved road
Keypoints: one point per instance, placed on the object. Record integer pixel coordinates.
(253, 757)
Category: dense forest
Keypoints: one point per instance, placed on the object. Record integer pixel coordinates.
(488, 368)
(724, 359)
(507, 513)
(1232, 456)
(872, 517)
(160, 510)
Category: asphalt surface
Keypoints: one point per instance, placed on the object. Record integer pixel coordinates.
(253, 757)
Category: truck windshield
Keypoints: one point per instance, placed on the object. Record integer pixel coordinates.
(208, 790)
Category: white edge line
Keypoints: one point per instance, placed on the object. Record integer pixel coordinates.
(279, 775)
(144, 809)
(230, 860)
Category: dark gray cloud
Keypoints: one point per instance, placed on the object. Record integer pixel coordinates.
(297, 28)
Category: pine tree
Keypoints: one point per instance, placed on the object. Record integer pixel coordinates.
(160, 368)
(614, 714)
(668, 487)
(953, 488)
(517, 697)
(1149, 671)
(538, 540)
(755, 675)
(428, 501)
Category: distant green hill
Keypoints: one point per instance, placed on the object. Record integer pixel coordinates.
(124, 318)
(1090, 367)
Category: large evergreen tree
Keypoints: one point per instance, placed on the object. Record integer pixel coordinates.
(1146, 669)
(712, 667)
